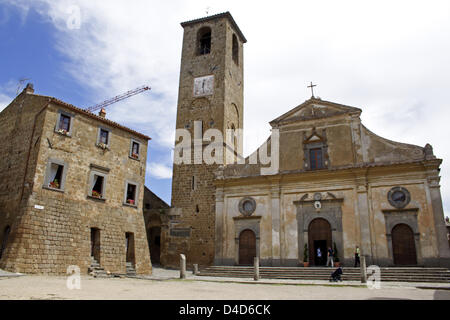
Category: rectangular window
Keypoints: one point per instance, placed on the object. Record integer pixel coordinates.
(130, 196)
(315, 158)
(104, 136)
(64, 123)
(97, 186)
(56, 174)
(135, 149)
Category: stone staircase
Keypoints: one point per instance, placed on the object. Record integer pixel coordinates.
(96, 270)
(398, 274)
(131, 271)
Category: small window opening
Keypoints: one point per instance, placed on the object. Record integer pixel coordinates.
(64, 123)
(148, 206)
(104, 136)
(204, 41)
(315, 156)
(56, 171)
(193, 183)
(131, 194)
(97, 189)
(235, 50)
(197, 210)
(135, 150)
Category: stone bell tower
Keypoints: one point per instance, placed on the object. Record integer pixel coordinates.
(210, 97)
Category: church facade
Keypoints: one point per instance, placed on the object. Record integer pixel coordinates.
(334, 185)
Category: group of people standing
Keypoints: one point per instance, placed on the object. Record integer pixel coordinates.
(330, 256)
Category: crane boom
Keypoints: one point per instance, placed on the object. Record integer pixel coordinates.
(118, 98)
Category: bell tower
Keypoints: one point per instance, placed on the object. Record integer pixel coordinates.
(210, 96)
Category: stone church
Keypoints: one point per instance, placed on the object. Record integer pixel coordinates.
(336, 184)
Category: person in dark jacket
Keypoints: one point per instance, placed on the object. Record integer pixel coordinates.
(336, 275)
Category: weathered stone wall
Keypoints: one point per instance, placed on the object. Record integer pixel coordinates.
(54, 229)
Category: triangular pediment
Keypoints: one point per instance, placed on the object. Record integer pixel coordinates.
(314, 109)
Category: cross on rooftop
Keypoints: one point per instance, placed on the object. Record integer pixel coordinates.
(312, 89)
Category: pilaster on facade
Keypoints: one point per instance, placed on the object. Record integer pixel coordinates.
(275, 192)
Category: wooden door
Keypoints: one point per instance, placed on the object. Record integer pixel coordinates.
(319, 235)
(247, 247)
(403, 245)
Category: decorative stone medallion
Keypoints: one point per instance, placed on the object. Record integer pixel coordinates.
(247, 206)
(399, 197)
(317, 196)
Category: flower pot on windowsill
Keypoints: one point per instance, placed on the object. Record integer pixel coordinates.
(54, 185)
(130, 202)
(95, 194)
(102, 146)
(135, 156)
(63, 132)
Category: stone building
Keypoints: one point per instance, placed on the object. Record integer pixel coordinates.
(155, 213)
(71, 191)
(333, 182)
(210, 97)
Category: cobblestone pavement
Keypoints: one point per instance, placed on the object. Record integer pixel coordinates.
(166, 286)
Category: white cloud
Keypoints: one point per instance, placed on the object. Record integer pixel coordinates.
(389, 58)
(159, 171)
(4, 101)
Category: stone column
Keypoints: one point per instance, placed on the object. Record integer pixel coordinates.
(276, 232)
(439, 220)
(364, 221)
(182, 266)
(362, 266)
(256, 268)
(219, 232)
(195, 272)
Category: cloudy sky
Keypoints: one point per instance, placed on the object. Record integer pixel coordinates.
(389, 58)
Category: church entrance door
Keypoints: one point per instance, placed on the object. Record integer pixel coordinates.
(247, 247)
(319, 237)
(403, 245)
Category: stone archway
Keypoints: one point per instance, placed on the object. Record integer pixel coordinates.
(319, 237)
(403, 245)
(247, 247)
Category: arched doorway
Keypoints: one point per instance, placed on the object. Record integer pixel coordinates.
(403, 245)
(247, 247)
(154, 240)
(5, 240)
(319, 237)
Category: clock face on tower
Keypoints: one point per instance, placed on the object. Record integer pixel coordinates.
(203, 86)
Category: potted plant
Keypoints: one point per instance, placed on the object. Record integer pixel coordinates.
(305, 256)
(96, 194)
(130, 201)
(336, 256)
(54, 184)
(135, 155)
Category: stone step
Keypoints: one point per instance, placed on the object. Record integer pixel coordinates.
(403, 274)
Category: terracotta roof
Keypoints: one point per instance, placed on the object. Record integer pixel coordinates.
(94, 116)
(217, 16)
